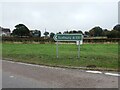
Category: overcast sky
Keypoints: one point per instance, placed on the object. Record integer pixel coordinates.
(60, 16)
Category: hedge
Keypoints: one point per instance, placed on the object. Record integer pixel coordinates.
(42, 39)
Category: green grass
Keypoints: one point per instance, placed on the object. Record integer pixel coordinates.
(101, 55)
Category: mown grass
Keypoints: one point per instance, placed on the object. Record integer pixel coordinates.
(100, 55)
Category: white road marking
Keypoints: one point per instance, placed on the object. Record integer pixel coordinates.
(10, 61)
(11, 76)
(112, 74)
(97, 72)
(94, 72)
(39, 66)
(36, 65)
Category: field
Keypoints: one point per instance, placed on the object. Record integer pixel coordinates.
(103, 56)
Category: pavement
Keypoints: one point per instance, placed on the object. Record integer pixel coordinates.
(22, 75)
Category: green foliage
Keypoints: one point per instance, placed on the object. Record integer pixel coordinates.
(42, 40)
(113, 34)
(79, 31)
(117, 27)
(59, 33)
(96, 31)
(52, 35)
(65, 32)
(21, 30)
(86, 33)
(105, 32)
(46, 33)
(73, 32)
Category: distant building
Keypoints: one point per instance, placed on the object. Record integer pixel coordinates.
(4, 31)
(86, 36)
(35, 33)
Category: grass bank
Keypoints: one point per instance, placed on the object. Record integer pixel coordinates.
(96, 55)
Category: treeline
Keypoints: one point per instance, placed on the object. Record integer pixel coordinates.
(99, 32)
(22, 31)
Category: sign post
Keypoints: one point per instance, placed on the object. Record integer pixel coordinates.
(57, 49)
(68, 37)
(79, 50)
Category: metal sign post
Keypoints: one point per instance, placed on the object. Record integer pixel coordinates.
(79, 50)
(57, 49)
(68, 37)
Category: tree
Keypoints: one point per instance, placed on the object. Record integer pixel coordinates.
(46, 33)
(70, 32)
(96, 31)
(105, 32)
(117, 27)
(92, 33)
(65, 32)
(79, 31)
(52, 35)
(39, 33)
(86, 33)
(59, 33)
(113, 34)
(74, 31)
(21, 30)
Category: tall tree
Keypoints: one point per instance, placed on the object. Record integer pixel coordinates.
(21, 30)
(96, 31)
(52, 35)
(117, 27)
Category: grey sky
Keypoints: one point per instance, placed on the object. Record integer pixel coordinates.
(60, 16)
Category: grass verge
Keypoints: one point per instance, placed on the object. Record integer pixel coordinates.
(92, 56)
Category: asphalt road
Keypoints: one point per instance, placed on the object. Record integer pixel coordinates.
(18, 75)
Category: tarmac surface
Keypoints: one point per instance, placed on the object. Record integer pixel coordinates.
(21, 75)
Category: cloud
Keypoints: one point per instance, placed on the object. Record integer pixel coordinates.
(60, 16)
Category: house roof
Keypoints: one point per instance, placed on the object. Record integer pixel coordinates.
(4, 29)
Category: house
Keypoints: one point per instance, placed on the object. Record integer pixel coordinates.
(86, 36)
(4, 31)
(35, 33)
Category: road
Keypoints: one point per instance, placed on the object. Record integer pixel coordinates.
(20, 75)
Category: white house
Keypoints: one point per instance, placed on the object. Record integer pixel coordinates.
(4, 31)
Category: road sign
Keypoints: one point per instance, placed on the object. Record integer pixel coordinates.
(68, 37)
